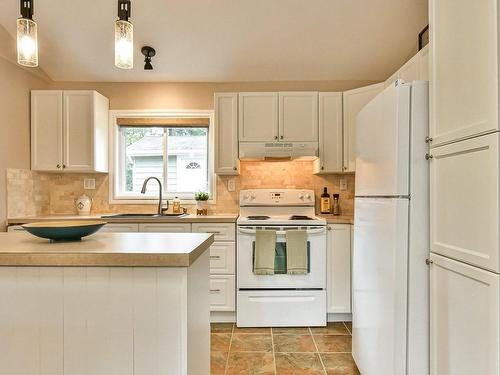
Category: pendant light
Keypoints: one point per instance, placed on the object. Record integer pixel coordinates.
(27, 40)
(124, 37)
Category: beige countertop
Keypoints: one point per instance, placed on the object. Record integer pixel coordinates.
(342, 219)
(105, 249)
(222, 218)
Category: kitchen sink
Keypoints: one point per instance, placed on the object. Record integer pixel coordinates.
(138, 216)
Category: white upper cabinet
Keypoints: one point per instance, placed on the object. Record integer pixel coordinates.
(410, 71)
(298, 116)
(464, 215)
(46, 130)
(415, 69)
(464, 68)
(330, 133)
(258, 116)
(423, 64)
(69, 131)
(226, 133)
(339, 268)
(353, 102)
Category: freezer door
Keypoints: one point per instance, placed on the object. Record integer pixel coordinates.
(383, 144)
(380, 286)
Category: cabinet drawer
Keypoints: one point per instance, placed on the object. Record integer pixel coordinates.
(119, 228)
(222, 232)
(222, 293)
(166, 228)
(222, 256)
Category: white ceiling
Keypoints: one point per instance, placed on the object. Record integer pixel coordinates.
(227, 40)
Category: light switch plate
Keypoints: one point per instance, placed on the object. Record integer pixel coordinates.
(343, 184)
(89, 183)
(231, 185)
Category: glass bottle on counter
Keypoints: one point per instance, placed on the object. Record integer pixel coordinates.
(325, 202)
(177, 206)
(336, 205)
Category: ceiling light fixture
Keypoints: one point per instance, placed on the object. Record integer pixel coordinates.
(148, 53)
(27, 39)
(124, 37)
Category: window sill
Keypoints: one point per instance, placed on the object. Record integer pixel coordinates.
(153, 201)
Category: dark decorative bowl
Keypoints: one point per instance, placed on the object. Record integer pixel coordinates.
(64, 230)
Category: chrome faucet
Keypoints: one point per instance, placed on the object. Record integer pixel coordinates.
(160, 198)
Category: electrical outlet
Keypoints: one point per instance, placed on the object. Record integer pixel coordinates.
(343, 184)
(89, 183)
(231, 185)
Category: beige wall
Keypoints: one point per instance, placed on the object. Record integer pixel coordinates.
(173, 95)
(15, 86)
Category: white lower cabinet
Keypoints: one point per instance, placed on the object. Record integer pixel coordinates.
(165, 228)
(222, 258)
(339, 268)
(222, 292)
(120, 228)
(464, 316)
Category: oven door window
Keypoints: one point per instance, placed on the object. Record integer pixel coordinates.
(280, 257)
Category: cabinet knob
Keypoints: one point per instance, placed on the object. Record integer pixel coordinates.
(58, 166)
(329, 228)
(235, 169)
(281, 137)
(429, 261)
(428, 139)
(428, 156)
(344, 168)
(322, 168)
(275, 137)
(64, 166)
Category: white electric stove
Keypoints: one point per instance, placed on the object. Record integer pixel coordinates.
(280, 299)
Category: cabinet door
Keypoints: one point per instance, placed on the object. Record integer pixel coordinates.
(464, 316)
(226, 134)
(120, 228)
(330, 133)
(78, 145)
(464, 68)
(410, 71)
(46, 130)
(339, 268)
(465, 201)
(353, 102)
(298, 116)
(258, 116)
(165, 228)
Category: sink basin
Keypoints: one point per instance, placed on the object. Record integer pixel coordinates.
(131, 216)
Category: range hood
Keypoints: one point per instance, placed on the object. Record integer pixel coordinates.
(278, 150)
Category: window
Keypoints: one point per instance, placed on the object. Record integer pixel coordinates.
(178, 156)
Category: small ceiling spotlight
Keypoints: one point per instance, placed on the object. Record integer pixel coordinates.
(148, 53)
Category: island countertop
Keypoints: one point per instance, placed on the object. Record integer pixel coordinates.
(105, 250)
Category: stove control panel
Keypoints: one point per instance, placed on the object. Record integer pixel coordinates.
(272, 197)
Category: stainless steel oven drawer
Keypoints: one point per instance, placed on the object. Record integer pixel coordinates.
(281, 308)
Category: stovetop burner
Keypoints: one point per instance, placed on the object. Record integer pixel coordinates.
(300, 217)
(258, 217)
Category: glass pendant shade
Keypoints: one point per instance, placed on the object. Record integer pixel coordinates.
(27, 42)
(124, 44)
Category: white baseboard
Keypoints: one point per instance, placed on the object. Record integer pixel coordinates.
(223, 317)
(338, 317)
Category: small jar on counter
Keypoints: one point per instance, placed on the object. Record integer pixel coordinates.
(336, 205)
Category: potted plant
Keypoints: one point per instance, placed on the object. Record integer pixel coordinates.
(201, 199)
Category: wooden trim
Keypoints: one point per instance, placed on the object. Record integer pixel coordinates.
(164, 121)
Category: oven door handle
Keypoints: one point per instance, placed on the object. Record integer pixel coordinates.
(281, 232)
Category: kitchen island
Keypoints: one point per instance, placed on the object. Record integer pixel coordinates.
(128, 303)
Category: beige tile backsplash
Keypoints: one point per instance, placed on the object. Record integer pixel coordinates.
(35, 193)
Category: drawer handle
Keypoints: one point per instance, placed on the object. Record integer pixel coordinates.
(214, 257)
(213, 232)
(214, 290)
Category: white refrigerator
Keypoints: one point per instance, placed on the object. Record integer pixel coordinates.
(391, 234)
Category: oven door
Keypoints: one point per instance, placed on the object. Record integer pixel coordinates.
(316, 247)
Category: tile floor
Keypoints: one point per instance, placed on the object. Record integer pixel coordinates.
(282, 351)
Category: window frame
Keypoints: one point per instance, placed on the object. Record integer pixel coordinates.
(115, 152)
